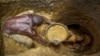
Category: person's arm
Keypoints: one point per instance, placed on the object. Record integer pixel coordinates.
(47, 21)
(40, 40)
(34, 35)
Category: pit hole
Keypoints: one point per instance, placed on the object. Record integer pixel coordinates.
(82, 31)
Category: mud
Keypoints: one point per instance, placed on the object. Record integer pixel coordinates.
(84, 13)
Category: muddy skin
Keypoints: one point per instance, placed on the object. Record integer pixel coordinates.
(23, 25)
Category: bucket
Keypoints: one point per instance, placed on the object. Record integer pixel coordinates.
(54, 33)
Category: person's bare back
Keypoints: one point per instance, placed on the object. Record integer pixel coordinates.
(23, 25)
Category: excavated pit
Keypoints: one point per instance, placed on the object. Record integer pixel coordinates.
(74, 14)
(83, 22)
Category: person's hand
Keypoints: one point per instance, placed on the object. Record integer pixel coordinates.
(51, 23)
(55, 42)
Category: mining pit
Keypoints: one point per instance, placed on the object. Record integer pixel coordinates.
(81, 16)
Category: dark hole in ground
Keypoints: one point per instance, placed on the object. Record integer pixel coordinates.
(82, 31)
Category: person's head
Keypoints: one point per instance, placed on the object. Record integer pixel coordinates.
(37, 19)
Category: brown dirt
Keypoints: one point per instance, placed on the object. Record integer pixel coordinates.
(81, 12)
